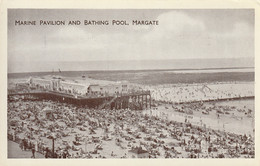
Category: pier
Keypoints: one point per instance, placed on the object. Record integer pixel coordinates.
(135, 100)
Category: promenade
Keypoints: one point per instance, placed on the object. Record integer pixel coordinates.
(14, 151)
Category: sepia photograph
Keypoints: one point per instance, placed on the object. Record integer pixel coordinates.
(130, 83)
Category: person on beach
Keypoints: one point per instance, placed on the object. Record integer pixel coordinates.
(21, 145)
(46, 153)
(33, 153)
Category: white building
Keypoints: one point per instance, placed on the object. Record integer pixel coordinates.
(56, 84)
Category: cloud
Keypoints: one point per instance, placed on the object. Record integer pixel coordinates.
(178, 35)
(178, 22)
(242, 29)
(181, 36)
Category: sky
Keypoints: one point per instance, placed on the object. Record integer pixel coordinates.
(181, 34)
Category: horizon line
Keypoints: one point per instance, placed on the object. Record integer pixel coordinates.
(132, 59)
(145, 70)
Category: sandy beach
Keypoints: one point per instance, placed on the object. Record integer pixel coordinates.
(186, 121)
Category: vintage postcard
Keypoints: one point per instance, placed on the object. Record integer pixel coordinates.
(160, 84)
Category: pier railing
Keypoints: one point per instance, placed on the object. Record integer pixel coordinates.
(71, 95)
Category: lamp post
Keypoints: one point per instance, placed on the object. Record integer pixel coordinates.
(53, 142)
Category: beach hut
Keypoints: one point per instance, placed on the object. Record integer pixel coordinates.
(139, 152)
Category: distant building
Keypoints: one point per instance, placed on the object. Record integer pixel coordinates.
(40, 83)
(73, 88)
(77, 89)
(94, 89)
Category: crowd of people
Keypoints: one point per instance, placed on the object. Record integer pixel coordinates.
(173, 93)
(79, 132)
